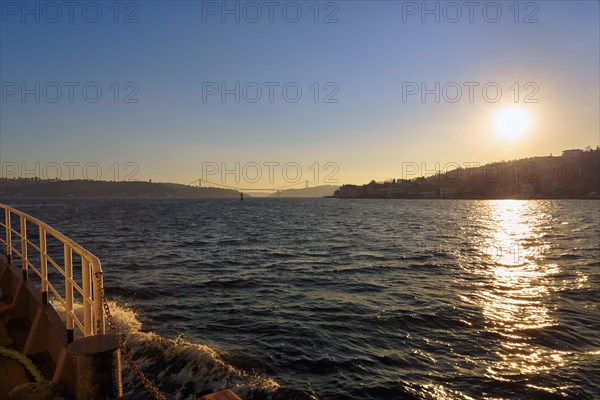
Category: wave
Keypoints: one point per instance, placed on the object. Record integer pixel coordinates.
(178, 366)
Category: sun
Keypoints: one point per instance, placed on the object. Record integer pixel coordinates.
(512, 122)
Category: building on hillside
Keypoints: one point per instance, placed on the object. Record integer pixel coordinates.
(571, 155)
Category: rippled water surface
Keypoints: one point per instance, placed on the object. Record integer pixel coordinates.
(334, 299)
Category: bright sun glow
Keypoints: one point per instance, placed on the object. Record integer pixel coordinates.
(511, 123)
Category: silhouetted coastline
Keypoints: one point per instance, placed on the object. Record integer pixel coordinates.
(573, 175)
(35, 187)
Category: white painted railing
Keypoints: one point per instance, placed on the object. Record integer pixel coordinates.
(90, 286)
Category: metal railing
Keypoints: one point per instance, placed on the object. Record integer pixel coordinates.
(89, 288)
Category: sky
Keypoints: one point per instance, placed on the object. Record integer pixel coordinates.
(269, 94)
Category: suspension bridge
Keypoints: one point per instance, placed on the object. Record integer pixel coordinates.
(200, 182)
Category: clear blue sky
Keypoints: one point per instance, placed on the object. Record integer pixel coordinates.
(172, 52)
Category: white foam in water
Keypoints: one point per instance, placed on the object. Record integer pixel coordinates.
(178, 366)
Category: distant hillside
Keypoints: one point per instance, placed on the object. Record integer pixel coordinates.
(35, 187)
(317, 191)
(575, 174)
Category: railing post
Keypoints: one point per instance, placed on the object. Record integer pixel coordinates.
(44, 265)
(24, 259)
(87, 305)
(8, 235)
(69, 292)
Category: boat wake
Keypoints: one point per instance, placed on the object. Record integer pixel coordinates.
(178, 366)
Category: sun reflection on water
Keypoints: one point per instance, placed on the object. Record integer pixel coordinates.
(516, 290)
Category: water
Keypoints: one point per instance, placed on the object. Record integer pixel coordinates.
(334, 299)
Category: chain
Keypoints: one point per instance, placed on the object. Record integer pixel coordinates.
(147, 384)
